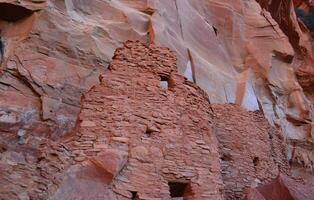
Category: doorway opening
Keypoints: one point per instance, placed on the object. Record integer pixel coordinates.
(178, 190)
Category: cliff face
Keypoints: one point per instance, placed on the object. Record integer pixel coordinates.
(146, 132)
(255, 54)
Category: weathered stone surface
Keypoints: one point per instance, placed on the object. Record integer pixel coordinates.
(135, 138)
(56, 55)
(111, 161)
(84, 182)
(222, 57)
(251, 152)
(283, 188)
(243, 52)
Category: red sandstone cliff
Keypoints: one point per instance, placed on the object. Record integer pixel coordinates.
(256, 54)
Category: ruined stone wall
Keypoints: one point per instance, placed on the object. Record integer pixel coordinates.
(145, 132)
(252, 152)
(164, 131)
(240, 53)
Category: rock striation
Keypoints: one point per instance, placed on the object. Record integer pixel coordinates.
(223, 57)
(146, 132)
(256, 54)
(281, 188)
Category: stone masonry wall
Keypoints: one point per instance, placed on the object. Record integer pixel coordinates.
(165, 132)
(143, 130)
(252, 152)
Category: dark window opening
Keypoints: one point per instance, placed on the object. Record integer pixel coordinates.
(177, 189)
(134, 195)
(149, 132)
(10, 12)
(226, 157)
(215, 30)
(256, 161)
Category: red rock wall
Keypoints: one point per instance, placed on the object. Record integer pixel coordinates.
(134, 136)
(55, 55)
(282, 12)
(283, 188)
(243, 52)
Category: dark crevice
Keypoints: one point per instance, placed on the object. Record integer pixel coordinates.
(10, 12)
(149, 11)
(283, 57)
(215, 30)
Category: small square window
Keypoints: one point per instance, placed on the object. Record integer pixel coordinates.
(164, 82)
(177, 190)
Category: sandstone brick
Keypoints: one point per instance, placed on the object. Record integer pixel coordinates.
(111, 161)
(88, 124)
(246, 151)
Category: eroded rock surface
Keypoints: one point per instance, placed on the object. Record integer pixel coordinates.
(155, 136)
(243, 52)
(283, 188)
(224, 56)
